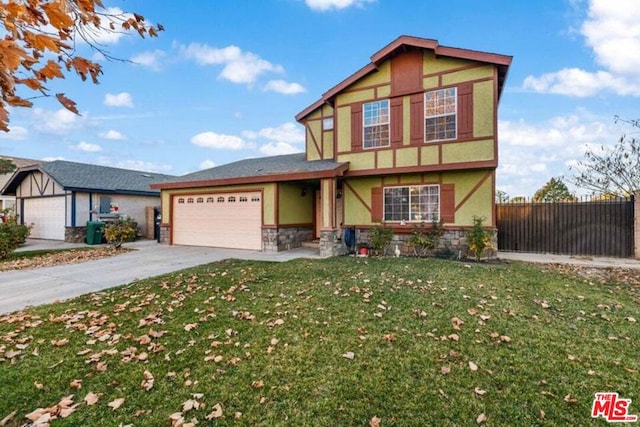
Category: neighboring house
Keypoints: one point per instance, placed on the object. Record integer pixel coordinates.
(409, 138)
(9, 202)
(59, 197)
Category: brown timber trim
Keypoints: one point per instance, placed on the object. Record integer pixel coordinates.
(358, 196)
(489, 164)
(474, 189)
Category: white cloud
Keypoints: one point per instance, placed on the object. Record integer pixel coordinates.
(287, 132)
(207, 164)
(16, 133)
(612, 32)
(219, 141)
(325, 5)
(113, 135)
(150, 59)
(284, 87)
(58, 122)
(532, 153)
(52, 159)
(238, 66)
(277, 148)
(87, 147)
(122, 99)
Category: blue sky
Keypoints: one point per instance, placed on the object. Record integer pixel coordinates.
(227, 77)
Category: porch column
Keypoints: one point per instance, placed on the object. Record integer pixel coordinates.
(329, 243)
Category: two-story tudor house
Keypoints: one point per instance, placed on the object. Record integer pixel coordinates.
(409, 138)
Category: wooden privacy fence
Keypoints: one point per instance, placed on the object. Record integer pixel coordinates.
(585, 227)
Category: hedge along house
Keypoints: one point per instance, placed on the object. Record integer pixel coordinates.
(409, 138)
(59, 197)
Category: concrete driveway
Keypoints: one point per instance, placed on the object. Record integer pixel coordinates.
(22, 288)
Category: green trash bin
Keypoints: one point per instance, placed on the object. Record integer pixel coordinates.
(94, 232)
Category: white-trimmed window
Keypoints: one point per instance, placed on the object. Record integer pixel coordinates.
(415, 203)
(440, 114)
(375, 124)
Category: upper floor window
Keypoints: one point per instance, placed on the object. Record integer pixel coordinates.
(440, 114)
(327, 123)
(412, 203)
(375, 125)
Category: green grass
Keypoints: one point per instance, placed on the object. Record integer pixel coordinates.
(547, 343)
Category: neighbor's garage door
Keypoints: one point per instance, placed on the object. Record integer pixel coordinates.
(47, 216)
(225, 220)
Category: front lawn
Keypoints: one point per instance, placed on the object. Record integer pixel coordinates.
(337, 342)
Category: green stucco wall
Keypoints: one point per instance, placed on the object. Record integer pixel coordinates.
(293, 208)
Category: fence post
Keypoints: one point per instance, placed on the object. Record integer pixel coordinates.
(636, 225)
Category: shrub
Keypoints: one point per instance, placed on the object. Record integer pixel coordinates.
(425, 239)
(379, 238)
(479, 238)
(12, 235)
(120, 231)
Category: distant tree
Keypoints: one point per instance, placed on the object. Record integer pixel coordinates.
(518, 199)
(6, 166)
(502, 196)
(39, 45)
(554, 191)
(611, 170)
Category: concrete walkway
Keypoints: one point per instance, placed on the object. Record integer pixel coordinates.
(22, 288)
(585, 261)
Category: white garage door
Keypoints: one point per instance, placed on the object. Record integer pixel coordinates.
(225, 220)
(47, 215)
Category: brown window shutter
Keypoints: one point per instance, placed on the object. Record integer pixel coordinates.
(465, 111)
(447, 203)
(356, 127)
(377, 204)
(396, 121)
(417, 118)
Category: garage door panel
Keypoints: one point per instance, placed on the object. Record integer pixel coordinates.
(47, 214)
(230, 220)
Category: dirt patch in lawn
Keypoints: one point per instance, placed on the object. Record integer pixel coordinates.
(600, 274)
(72, 256)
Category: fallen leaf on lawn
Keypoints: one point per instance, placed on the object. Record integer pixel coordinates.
(257, 384)
(65, 412)
(591, 372)
(479, 391)
(91, 398)
(570, 399)
(485, 317)
(190, 326)
(142, 356)
(445, 370)
(217, 412)
(375, 422)
(457, 323)
(481, 418)
(505, 338)
(12, 353)
(116, 403)
(177, 419)
(76, 384)
(8, 418)
(473, 366)
(60, 343)
(147, 383)
(38, 385)
(572, 357)
(630, 319)
(349, 355)
(454, 337)
(541, 414)
(389, 337)
(190, 404)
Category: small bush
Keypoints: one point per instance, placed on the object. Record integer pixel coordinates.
(12, 235)
(425, 239)
(479, 238)
(379, 239)
(120, 231)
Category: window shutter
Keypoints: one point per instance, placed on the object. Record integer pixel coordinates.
(356, 127)
(447, 203)
(465, 111)
(396, 121)
(377, 202)
(417, 118)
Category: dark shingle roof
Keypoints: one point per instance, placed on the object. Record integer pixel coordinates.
(82, 176)
(86, 177)
(262, 169)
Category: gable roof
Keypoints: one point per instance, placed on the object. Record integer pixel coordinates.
(19, 162)
(86, 177)
(403, 42)
(286, 167)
